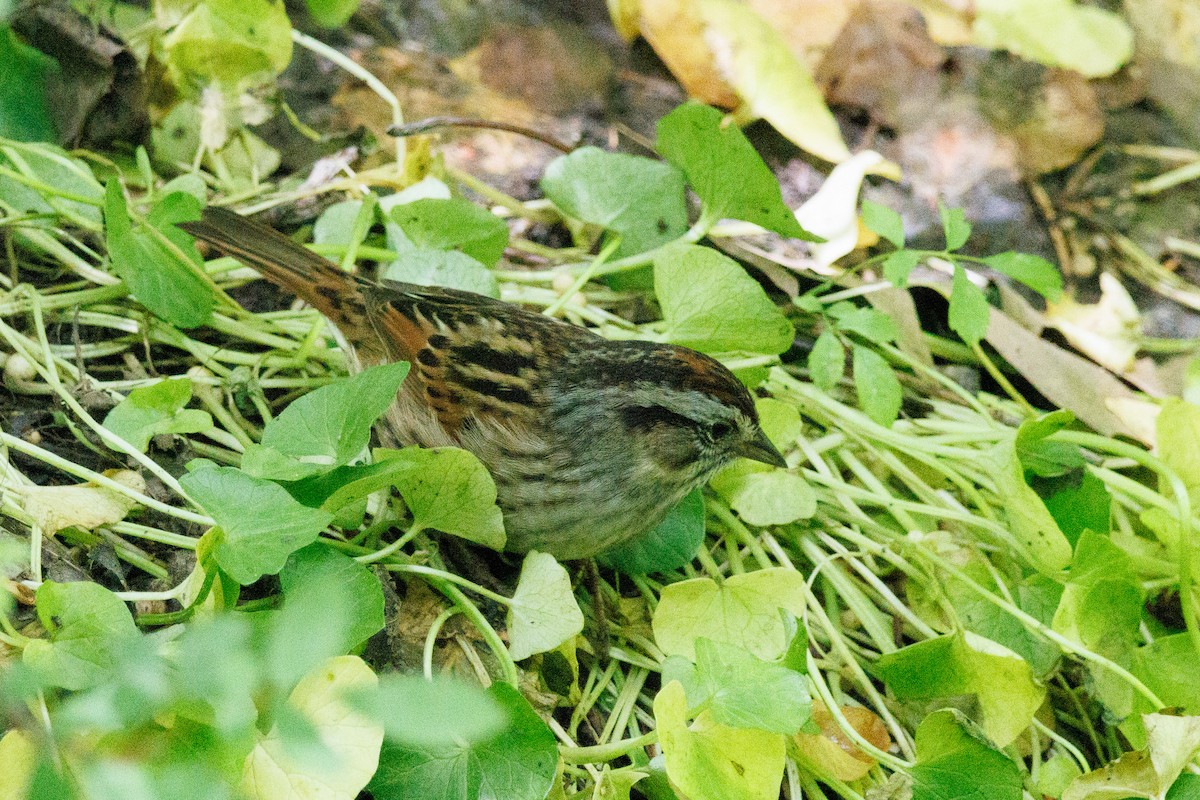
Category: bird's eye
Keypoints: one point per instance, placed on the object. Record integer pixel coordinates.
(721, 430)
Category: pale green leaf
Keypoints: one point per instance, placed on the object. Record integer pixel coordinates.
(638, 198)
(152, 410)
(965, 663)
(711, 304)
(709, 761)
(743, 610)
(764, 495)
(271, 772)
(543, 613)
(758, 62)
(1057, 33)
(884, 221)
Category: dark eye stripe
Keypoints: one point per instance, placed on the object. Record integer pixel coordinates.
(645, 417)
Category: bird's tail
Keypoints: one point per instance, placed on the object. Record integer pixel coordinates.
(316, 280)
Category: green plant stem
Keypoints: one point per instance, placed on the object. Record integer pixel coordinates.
(374, 84)
(606, 752)
(472, 612)
(999, 377)
(71, 468)
(554, 308)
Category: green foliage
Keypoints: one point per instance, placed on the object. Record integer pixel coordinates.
(153, 410)
(671, 544)
(724, 169)
(89, 630)
(518, 763)
(331, 13)
(259, 523)
(231, 42)
(711, 304)
(740, 690)
(637, 198)
(1002, 682)
(884, 221)
(24, 114)
(952, 761)
(158, 261)
(453, 224)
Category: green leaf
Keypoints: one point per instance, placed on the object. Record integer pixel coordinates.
(543, 613)
(741, 690)
(453, 224)
(317, 567)
(879, 391)
(1057, 33)
(743, 611)
(426, 266)
(884, 221)
(870, 324)
(89, 629)
(899, 265)
(261, 524)
(1034, 271)
(965, 663)
(1167, 666)
(722, 166)
(1042, 456)
(711, 304)
(638, 198)
(336, 223)
(953, 762)
(671, 544)
(153, 410)
(50, 170)
(969, 309)
(1031, 524)
(1178, 430)
(24, 114)
(955, 226)
(764, 495)
(518, 764)
(449, 490)
(1171, 743)
(442, 712)
(229, 41)
(166, 280)
(710, 760)
(331, 425)
(1078, 502)
(331, 13)
(827, 361)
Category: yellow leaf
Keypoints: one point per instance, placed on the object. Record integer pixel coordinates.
(772, 83)
(17, 761)
(85, 505)
(269, 773)
(1107, 331)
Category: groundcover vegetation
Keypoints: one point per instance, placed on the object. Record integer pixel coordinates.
(219, 587)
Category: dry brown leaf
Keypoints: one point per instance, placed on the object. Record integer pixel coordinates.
(836, 752)
(1064, 378)
(808, 26)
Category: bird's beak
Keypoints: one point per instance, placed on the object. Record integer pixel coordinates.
(760, 449)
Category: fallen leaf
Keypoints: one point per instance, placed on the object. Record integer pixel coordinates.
(1107, 331)
(84, 505)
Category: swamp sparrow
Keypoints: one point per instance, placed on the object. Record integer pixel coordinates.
(590, 441)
